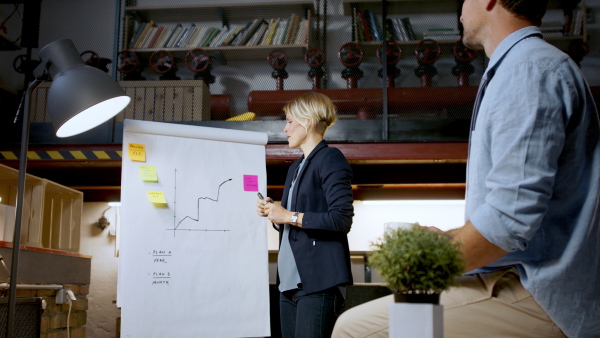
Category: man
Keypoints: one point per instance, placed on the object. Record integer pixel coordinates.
(532, 236)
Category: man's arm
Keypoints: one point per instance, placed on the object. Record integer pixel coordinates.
(477, 250)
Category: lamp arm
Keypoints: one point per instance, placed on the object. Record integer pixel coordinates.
(44, 76)
(20, 197)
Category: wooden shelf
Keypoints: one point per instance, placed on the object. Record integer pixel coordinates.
(428, 6)
(233, 11)
(222, 14)
(7, 44)
(404, 6)
(236, 53)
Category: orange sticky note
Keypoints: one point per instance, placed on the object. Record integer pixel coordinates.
(137, 152)
(157, 197)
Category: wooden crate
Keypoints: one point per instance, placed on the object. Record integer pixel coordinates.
(51, 212)
(181, 100)
(168, 101)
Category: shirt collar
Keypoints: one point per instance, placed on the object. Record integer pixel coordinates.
(509, 42)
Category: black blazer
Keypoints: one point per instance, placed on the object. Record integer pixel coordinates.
(323, 192)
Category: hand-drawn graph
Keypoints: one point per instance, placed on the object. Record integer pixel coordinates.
(184, 282)
(177, 226)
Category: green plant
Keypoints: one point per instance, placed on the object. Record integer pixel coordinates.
(417, 261)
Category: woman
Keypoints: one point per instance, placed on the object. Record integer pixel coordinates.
(314, 219)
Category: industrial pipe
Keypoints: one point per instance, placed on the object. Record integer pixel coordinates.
(368, 101)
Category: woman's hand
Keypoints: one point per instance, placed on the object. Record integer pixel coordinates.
(277, 214)
(261, 204)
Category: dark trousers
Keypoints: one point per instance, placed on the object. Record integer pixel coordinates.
(309, 316)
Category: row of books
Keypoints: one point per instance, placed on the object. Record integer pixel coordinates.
(571, 26)
(367, 27)
(573, 22)
(276, 31)
(442, 34)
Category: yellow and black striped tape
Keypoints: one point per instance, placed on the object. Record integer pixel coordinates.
(64, 155)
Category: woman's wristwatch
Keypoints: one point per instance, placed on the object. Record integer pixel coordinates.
(295, 218)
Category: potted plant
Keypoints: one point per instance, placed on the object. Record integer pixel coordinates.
(417, 264)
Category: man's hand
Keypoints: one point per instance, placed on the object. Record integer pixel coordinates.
(477, 250)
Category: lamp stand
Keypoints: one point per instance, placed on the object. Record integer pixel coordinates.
(18, 218)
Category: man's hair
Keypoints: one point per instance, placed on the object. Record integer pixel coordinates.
(532, 10)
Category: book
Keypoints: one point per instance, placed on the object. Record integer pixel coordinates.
(239, 36)
(189, 36)
(216, 41)
(279, 38)
(366, 26)
(144, 34)
(268, 37)
(302, 33)
(375, 26)
(148, 37)
(568, 22)
(209, 37)
(160, 43)
(250, 31)
(292, 29)
(258, 35)
(403, 34)
(195, 37)
(578, 16)
(409, 29)
(171, 32)
(391, 30)
(136, 35)
(157, 34)
(360, 33)
(174, 36)
(399, 29)
(233, 32)
(354, 35)
(442, 34)
(184, 36)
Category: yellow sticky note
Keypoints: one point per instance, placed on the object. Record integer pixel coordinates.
(148, 173)
(157, 197)
(137, 152)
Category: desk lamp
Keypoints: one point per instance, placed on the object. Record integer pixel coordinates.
(80, 98)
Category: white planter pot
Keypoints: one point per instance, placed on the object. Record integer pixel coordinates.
(411, 320)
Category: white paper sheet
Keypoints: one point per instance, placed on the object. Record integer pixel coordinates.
(196, 266)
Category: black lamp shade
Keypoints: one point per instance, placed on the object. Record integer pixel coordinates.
(80, 97)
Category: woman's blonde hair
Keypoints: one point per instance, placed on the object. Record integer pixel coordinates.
(315, 107)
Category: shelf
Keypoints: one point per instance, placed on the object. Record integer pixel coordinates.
(236, 53)
(408, 47)
(403, 6)
(370, 47)
(7, 44)
(233, 11)
(204, 15)
(427, 6)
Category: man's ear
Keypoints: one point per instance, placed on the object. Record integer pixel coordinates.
(491, 4)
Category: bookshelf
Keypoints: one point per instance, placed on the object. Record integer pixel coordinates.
(6, 44)
(236, 16)
(415, 8)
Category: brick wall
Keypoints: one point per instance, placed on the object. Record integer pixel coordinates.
(54, 316)
(71, 270)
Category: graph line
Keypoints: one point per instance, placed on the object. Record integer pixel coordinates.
(176, 227)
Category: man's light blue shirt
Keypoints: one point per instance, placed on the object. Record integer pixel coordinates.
(533, 178)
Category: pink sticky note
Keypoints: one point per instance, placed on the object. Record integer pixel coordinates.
(250, 183)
